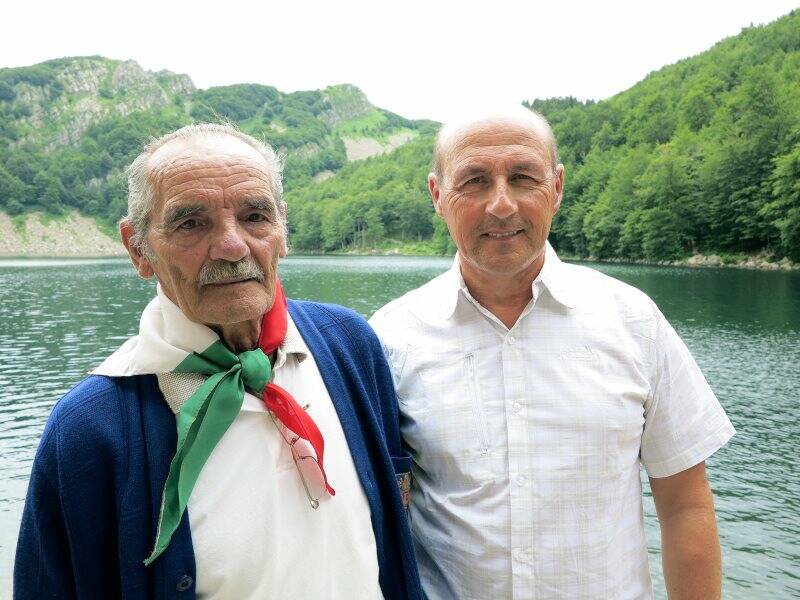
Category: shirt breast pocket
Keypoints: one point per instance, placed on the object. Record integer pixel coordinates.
(444, 420)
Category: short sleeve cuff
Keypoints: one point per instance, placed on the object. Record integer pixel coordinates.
(694, 455)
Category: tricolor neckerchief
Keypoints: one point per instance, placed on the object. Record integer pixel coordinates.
(169, 342)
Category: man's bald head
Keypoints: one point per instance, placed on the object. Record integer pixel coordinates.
(512, 116)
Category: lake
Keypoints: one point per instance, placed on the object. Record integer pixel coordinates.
(59, 318)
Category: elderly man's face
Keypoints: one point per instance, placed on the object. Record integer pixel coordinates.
(216, 231)
(498, 196)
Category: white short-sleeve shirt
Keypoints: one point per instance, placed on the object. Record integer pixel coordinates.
(527, 442)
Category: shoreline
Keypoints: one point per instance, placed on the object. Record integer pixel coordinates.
(758, 262)
(73, 236)
(698, 261)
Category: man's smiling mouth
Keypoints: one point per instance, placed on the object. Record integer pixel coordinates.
(499, 235)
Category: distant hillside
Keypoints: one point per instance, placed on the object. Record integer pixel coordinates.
(69, 127)
(702, 156)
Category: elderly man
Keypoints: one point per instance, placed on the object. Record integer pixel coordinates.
(531, 390)
(234, 448)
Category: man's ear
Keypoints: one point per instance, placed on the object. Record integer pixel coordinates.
(436, 193)
(140, 262)
(285, 249)
(559, 187)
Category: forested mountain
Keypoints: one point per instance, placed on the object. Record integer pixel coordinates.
(69, 127)
(700, 156)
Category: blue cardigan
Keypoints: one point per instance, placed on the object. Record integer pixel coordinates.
(95, 489)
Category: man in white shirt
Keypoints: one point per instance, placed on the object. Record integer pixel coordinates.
(531, 391)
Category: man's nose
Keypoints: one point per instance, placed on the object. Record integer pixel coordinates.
(228, 243)
(501, 204)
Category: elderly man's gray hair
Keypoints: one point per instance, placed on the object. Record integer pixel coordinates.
(141, 185)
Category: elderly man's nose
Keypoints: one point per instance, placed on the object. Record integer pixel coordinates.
(228, 244)
(501, 204)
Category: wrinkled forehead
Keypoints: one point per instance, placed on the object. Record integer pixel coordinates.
(457, 143)
(210, 149)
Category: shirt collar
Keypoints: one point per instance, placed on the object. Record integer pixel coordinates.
(555, 277)
(293, 344)
(451, 283)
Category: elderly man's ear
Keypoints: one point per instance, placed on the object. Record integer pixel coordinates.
(140, 262)
(285, 248)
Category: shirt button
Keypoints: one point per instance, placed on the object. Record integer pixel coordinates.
(512, 340)
(521, 481)
(517, 407)
(184, 583)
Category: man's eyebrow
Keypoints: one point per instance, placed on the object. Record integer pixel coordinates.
(528, 165)
(178, 213)
(263, 203)
(469, 171)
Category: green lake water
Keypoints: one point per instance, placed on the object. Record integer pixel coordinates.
(58, 318)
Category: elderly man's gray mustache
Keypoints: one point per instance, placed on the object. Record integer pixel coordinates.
(219, 271)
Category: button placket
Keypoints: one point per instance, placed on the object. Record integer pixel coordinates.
(513, 357)
(514, 401)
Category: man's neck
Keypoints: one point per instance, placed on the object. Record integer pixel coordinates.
(505, 296)
(239, 337)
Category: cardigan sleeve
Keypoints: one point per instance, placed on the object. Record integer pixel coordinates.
(385, 390)
(42, 567)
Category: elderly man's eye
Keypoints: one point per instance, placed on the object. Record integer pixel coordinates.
(476, 180)
(257, 217)
(518, 176)
(188, 224)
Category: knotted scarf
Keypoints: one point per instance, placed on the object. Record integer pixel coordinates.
(208, 413)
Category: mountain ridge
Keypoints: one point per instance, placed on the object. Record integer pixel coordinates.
(700, 157)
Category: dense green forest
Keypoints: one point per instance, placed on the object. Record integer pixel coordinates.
(700, 156)
(41, 108)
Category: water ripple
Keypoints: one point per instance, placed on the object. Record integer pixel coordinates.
(59, 318)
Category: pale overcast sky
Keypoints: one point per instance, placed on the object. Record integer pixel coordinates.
(421, 59)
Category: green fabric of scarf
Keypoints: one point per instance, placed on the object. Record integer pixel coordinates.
(203, 420)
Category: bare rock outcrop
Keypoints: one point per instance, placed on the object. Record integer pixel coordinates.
(74, 235)
(90, 89)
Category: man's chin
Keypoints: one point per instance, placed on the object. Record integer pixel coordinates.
(226, 304)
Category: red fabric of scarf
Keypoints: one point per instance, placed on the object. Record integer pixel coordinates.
(277, 399)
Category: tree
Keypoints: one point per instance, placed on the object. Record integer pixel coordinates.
(6, 92)
(661, 235)
(784, 209)
(12, 191)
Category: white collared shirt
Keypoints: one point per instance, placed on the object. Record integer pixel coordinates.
(527, 442)
(254, 532)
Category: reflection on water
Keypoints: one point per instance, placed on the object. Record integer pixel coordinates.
(59, 318)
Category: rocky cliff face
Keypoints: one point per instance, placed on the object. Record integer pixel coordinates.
(347, 104)
(70, 235)
(69, 127)
(90, 89)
